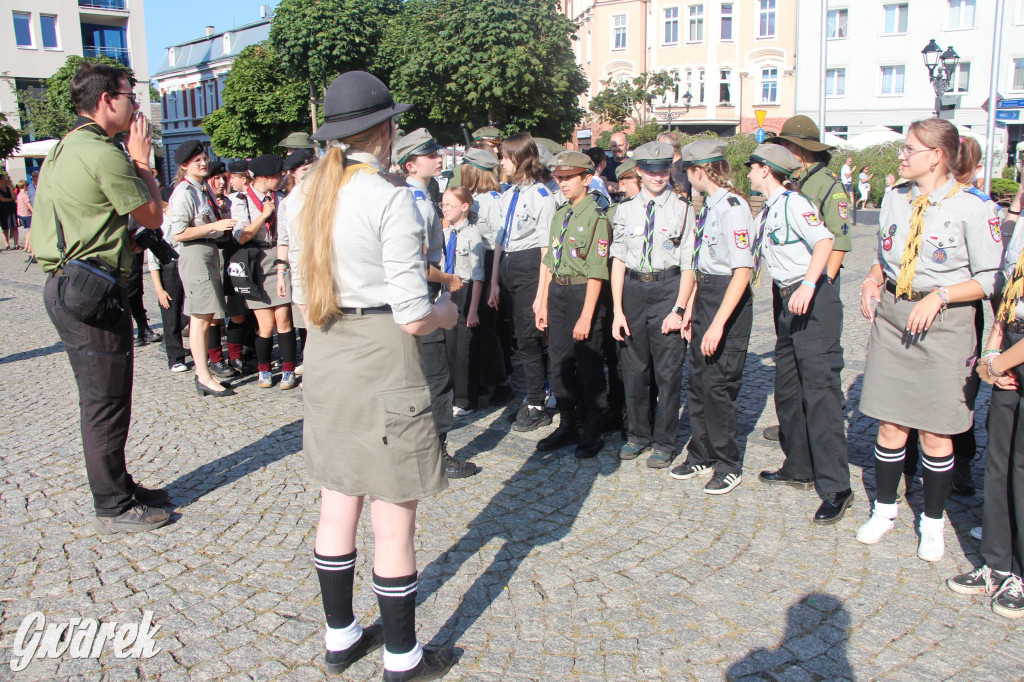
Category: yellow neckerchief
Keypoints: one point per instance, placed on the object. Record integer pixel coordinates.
(912, 249)
(1013, 291)
(351, 170)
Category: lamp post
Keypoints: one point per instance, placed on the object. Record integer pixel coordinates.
(941, 68)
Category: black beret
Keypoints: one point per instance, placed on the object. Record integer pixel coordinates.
(240, 166)
(299, 158)
(216, 168)
(265, 166)
(187, 151)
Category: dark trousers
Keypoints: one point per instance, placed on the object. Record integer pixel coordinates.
(577, 367)
(808, 395)
(491, 353)
(134, 289)
(102, 360)
(610, 349)
(715, 381)
(646, 304)
(1002, 542)
(439, 379)
(520, 271)
(173, 318)
(462, 344)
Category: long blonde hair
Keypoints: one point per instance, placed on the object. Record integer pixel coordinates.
(315, 221)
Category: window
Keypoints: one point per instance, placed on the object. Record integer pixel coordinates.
(696, 24)
(766, 24)
(962, 77)
(727, 21)
(1020, 13)
(838, 20)
(769, 85)
(700, 79)
(835, 82)
(1018, 74)
(892, 79)
(839, 131)
(724, 87)
(895, 19)
(961, 14)
(671, 25)
(48, 24)
(226, 43)
(23, 29)
(619, 32)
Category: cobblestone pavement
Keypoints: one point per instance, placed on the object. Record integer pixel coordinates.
(540, 567)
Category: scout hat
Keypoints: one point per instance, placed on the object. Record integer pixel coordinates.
(238, 167)
(297, 141)
(187, 151)
(653, 156)
(486, 133)
(776, 157)
(356, 101)
(802, 132)
(572, 162)
(545, 156)
(627, 166)
(550, 145)
(299, 158)
(217, 167)
(480, 158)
(702, 151)
(417, 143)
(267, 165)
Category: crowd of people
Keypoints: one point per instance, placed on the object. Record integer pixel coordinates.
(601, 276)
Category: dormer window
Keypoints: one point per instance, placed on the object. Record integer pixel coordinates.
(227, 43)
(171, 56)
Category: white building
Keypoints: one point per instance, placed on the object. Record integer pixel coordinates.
(876, 75)
(37, 36)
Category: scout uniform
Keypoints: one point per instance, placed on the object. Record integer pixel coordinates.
(579, 239)
(653, 237)
(464, 257)
(723, 241)
(245, 208)
(808, 354)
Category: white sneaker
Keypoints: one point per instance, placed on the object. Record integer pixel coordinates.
(883, 520)
(933, 540)
(976, 532)
(298, 370)
(179, 367)
(461, 411)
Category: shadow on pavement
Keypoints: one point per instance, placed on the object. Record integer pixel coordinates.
(813, 646)
(36, 353)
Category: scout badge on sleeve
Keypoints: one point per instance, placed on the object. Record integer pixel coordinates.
(812, 219)
(844, 209)
(993, 226)
(602, 247)
(742, 238)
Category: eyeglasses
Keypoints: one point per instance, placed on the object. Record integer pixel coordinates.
(131, 95)
(909, 151)
(449, 207)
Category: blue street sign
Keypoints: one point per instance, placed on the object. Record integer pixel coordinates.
(761, 135)
(1011, 104)
(1012, 115)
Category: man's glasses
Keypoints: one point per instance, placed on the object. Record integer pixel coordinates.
(131, 95)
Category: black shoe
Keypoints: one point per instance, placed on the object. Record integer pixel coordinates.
(337, 662)
(140, 517)
(156, 497)
(778, 478)
(590, 444)
(203, 389)
(140, 341)
(456, 468)
(239, 366)
(832, 508)
(771, 433)
(434, 664)
(501, 395)
(223, 370)
(151, 336)
(567, 433)
(530, 418)
(963, 479)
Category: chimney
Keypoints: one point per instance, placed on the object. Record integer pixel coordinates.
(264, 11)
(209, 30)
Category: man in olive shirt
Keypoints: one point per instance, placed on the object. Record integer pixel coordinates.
(91, 186)
(572, 275)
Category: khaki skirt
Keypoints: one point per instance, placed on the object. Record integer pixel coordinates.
(368, 426)
(924, 382)
(267, 279)
(202, 278)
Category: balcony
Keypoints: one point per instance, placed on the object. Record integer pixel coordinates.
(116, 5)
(120, 54)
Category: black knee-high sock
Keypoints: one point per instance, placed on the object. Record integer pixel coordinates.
(938, 476)
(213, 349)
(336, 574)
(235, 332)
(888, 469)
(397, 600)
(286, 342)
(264, 347)
(300, 336)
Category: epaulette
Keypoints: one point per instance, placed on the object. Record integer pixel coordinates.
(543, 191)
(419, 195)
(394, 179)
(978, 193)
(831, 173)
(732, 201)
(495, 195)
(625, 199)
(240, 196)
(560, 206)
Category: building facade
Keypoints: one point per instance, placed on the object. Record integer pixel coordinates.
(191, 79)
(732, 58)
(37, 36)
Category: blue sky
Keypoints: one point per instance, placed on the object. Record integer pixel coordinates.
(169, 22)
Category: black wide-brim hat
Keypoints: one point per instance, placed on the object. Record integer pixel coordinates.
(356, 101)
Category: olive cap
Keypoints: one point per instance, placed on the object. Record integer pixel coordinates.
(776, 157)
(417, 143)
(480, 158)
(702, 151)
(654, 156)
(572, 162)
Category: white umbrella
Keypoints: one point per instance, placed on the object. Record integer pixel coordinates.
(874, 136)
(833, 140)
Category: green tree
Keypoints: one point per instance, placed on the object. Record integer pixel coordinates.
(507, 62)
(50, 114)
(10, 137)
(261, 105)
(316, 41)
(621, 99)
(881, 160)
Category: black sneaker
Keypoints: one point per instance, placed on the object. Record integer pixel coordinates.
(140, 517)
(156, 497)
(567, 433)
(721, 483)
(1009, 600)
(690, 469)
(530, 418)
(434, 664)
(982, 580)
(337, 662)
(223, 370)
(239, 366)
(456, 468)
(151, 336)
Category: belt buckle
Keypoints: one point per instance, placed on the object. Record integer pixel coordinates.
(647, 277)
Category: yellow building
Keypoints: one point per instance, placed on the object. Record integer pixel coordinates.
(728, 59)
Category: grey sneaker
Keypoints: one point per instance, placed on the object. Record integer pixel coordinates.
(660, 459)
(287, 381)
(266, 380)
(140, 517)
(1009, 600)
(631, 450)
(981, 580)
(689, 469)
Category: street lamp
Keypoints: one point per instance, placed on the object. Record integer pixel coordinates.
(941, 67)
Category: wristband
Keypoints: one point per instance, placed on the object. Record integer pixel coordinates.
(990, 352)
(809, 283)
(871, 279)
(280, 261)
(1012, 212)
(991, 370)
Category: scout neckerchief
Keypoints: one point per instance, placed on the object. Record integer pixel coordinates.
(510, 215)
(912, 249)
(759, 241)
(272, 220)
(211, 200)
(1013, 291)
(698, 235)
(645, 262)
(557, 246)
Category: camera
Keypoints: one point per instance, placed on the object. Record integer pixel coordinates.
(153, 240)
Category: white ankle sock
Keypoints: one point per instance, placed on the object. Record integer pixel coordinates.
(401, 662)
(339, 639)
(889, 511)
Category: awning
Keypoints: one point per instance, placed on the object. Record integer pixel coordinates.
(37, 149)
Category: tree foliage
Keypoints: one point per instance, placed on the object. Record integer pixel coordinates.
(881, 160)
(10, 137)
(51, 113)
(507, 62)
(624, 98)
(261, 105)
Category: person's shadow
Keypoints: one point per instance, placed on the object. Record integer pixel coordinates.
(538, 505)
(814, 645)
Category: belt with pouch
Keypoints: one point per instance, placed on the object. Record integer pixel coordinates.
(653, 276)
(913, 296)
(122, 280)
(1015, 326)
(261, 245)
(568, 281)
(377, 309)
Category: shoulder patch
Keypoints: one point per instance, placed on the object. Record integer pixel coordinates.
(495, 195)
(812, 218)
(733, 201)
(978, 193)
(419, 195)
(543, 191)
(993, 228)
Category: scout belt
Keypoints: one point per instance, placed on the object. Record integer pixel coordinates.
(566, 281)
(366, 311)
(653, 276)
(705, 277)
(913, 296)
